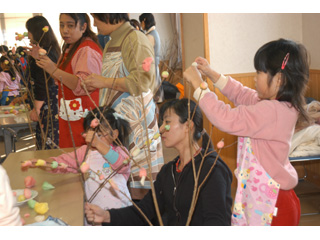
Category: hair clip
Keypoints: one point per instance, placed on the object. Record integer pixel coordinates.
(6, 62)
(285, 61)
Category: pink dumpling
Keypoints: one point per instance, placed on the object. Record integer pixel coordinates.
(84, 167)
(15, 112)
(142, 172)
(220, 144)
(29, 182)
(27, 193)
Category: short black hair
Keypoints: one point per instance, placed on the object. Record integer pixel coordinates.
(112, 18)
(148, 20)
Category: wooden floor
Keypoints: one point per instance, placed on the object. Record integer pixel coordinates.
(308, 193)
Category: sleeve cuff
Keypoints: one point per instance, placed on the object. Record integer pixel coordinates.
(199, 93)
(222, 82)
(112, 156)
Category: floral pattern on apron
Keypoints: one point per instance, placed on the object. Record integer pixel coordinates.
(132, 108)
(257, 192)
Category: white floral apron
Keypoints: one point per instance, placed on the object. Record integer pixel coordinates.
(257, 192)
(131, 108)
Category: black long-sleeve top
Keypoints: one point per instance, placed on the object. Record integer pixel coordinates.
(174, 195)
(38, 77)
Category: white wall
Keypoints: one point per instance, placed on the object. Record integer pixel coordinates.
(235, 37)
(53, 19)
(164, 25)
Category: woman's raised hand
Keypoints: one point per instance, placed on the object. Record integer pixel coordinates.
(33, 51)
(46, 63)
(94, 81)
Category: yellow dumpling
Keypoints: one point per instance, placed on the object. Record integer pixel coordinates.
(41, 208)
(21, 198)
(40, 162)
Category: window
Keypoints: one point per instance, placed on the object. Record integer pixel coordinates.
(10, 23)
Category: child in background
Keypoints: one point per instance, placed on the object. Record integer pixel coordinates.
(3, 50)
(9, 81)
(264, 119)
(21, 58)
(103, 158)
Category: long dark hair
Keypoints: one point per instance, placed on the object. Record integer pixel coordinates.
(35, 25)
(114, 121)
(180, 107)
(295, 74)
(82, 18)
(11, 67)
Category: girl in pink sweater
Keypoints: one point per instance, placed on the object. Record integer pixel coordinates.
(9, 81)
(264, 120)
(104, 158)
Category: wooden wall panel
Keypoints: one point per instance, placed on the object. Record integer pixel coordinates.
(313, 168)
(229, 153)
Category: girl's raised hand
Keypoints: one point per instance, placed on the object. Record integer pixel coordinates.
(203, 66)
(206, 70)
(28, 164)
(88, 137)
(96, 214)
(193, 76)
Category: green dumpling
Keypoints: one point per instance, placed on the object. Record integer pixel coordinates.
(47, 186)
(54, 164)
(31, 203)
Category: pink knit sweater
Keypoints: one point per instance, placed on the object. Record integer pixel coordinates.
(69, 159)
(269, 123)
(7, 83)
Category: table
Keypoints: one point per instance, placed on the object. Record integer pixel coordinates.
(10, 124)
(65, 201)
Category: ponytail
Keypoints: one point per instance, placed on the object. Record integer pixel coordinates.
(206, 140)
